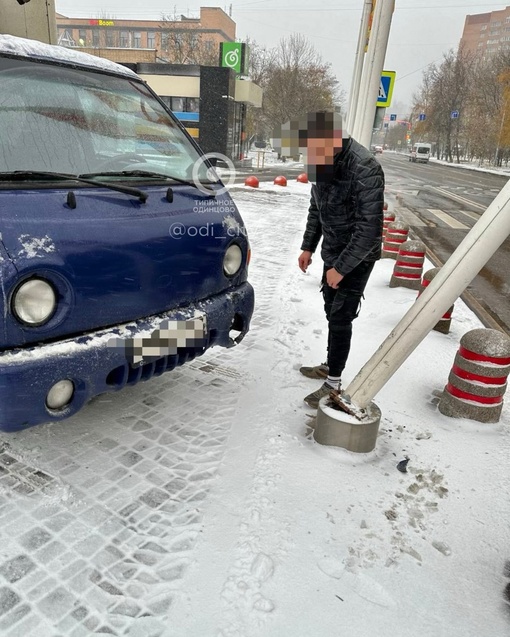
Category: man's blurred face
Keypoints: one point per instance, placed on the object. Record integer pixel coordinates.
(320, 151)
(318, 136)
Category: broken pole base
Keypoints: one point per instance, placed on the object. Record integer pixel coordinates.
(339, 429)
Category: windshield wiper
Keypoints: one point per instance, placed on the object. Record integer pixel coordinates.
(20, 175)
(148, 173)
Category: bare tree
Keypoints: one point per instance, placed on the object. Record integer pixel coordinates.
(479, 88)
(260, 63)
(490, 97)
(295, 80)
(182, 42)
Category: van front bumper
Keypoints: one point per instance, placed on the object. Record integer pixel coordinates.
(94, 367)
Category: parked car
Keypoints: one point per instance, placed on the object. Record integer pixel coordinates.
(121, 254)
(378, 149)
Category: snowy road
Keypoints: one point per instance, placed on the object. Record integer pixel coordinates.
(198, 504)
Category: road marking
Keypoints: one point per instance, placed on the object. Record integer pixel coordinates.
(450, 221)
(410, 218)
(458, 198)
(471, 215)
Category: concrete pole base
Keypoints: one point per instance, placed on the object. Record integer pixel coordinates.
(339, 429)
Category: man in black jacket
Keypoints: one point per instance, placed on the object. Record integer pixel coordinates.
(346, 211)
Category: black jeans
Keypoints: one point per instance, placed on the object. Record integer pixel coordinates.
(342, 306)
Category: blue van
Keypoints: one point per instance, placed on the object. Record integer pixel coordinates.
(121, 254)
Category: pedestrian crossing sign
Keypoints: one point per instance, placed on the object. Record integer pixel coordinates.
(386, 88)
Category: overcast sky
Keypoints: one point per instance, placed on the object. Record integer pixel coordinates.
(422, 30)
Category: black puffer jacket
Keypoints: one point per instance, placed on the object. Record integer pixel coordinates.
(347, 210)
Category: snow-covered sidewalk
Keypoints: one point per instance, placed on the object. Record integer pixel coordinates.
(199, 505)
(327, 542)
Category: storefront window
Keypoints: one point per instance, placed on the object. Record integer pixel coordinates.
(192, 105)
(178, 104)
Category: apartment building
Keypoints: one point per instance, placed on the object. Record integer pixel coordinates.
(486, 33)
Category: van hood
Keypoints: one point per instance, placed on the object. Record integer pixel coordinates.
(113, 259)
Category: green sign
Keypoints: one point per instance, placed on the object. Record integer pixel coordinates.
(233, 56)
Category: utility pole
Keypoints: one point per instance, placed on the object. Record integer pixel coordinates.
(358, 65)
(33, 19)
(372, 69)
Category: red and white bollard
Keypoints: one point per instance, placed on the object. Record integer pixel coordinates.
(478, 379)
(409, 266)
(443, 325)
(396, 235)
(389, 217)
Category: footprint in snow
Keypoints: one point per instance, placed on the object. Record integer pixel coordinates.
(262, 567)
(264, 605)
(363, 585)
(332, 567)
(370, 590)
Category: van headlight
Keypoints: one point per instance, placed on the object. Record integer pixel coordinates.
(34, 302)
(232, 259)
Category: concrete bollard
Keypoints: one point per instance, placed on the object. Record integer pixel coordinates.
(396, 234)
(409, 266)
(251, 181)
(478, 379)
(388, 218)
(443, 325)
(339, 429)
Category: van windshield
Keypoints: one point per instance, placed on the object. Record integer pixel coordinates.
(423, 149)
(74, 121)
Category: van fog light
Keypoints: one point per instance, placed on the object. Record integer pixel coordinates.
(60, 394)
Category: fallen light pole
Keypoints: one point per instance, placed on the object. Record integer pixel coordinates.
(472, 254)
(355, 422)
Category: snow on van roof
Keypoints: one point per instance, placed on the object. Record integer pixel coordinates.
(12, 45)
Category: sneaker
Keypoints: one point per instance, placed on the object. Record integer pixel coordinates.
(313, 399)
(318, 372)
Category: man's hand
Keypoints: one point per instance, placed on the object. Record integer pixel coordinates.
(333, 278)
(305, 259)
